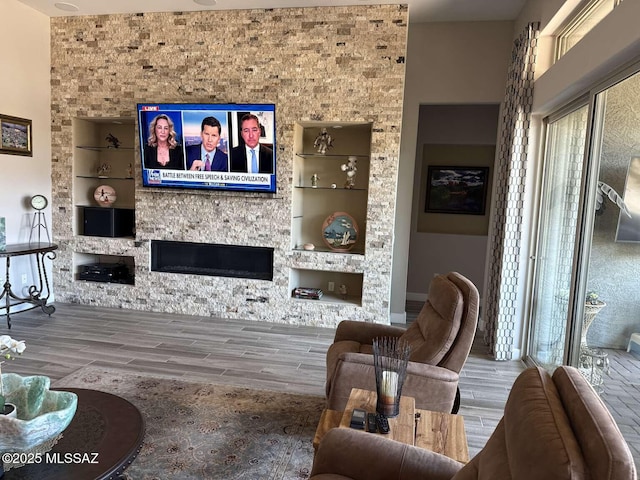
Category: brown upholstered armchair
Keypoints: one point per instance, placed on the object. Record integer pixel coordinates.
(440, 341)
(554, 427)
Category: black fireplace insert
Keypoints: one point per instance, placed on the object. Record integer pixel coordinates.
(212, 259)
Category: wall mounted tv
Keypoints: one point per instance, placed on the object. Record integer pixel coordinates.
(208, 146)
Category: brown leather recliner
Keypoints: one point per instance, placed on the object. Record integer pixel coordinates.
(440, 341)
(554, 427)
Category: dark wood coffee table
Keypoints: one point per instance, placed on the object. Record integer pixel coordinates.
(104, 424)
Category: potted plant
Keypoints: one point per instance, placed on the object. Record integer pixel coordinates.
(592, 298)
(9, 348)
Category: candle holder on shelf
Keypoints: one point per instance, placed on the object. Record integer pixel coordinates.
(390, 357)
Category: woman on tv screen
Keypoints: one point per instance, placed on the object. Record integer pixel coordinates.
(162, 149)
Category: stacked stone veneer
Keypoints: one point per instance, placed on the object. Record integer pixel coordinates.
(314, 64)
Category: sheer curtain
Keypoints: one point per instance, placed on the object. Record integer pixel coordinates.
(510, 172)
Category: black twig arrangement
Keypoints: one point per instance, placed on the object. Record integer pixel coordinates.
(390, 356)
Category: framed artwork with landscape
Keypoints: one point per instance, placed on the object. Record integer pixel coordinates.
(16, 136)
(456, 189)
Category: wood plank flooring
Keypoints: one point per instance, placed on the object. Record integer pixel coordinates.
(247, 353)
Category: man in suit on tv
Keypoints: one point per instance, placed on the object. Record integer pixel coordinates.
(206, 155)
(251, 157)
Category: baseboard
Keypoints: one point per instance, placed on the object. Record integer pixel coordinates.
(417, 297)
(400, 318)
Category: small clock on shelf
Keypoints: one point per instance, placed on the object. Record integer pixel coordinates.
(39, 202)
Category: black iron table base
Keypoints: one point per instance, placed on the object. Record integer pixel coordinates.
(38, 294)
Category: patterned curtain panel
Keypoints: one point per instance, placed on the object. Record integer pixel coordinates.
(509, 176)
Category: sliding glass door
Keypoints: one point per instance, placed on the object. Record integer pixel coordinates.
(557, 229)
(588, 233)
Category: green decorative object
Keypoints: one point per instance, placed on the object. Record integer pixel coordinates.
(42, 413)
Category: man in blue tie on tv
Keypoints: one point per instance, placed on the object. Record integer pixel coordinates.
(252, 157)
(206, 156)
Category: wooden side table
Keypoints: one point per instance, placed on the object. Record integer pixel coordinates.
(436, 431)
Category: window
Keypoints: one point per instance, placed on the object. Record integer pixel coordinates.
(586, 16)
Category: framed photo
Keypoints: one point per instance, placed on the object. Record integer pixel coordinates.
(456, 190)
(16, 136)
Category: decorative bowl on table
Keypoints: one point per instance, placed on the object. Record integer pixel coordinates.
(42, 414)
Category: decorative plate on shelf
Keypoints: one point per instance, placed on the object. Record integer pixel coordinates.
(340, 231)
(105, 195)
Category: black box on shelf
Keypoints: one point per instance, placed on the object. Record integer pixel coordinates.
(105, 272)
(109, 222)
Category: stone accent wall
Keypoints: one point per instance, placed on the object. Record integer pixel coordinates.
(314, 64)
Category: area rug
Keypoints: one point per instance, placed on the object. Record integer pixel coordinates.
(206, 431)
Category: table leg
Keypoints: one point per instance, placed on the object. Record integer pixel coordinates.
(35, 297)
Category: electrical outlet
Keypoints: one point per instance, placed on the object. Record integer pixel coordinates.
(24, 278)
(331, 286)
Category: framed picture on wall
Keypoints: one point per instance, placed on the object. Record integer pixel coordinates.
(458, 190)
(16, 136)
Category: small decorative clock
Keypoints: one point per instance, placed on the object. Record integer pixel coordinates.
(39, 202)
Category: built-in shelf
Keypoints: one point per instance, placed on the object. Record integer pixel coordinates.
(102, 177)
(315, 203)
(330, 156)
(323, 249)
(97, 163)
(112, 269)
(333, 298)
(101, 149)
(338, 189)
(323, 279)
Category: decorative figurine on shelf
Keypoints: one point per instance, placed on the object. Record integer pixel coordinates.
(323, 141)
(314, 180)
(105, 195)
(104, 169)
(350, 168)
(342, 289)
(115, 143)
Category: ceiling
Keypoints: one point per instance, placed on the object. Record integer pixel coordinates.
(419, 10)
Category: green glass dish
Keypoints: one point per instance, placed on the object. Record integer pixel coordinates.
(42, 414)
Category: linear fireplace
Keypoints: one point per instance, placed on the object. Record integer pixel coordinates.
(212, 259)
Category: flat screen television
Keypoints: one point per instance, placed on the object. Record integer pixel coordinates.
(208, 146)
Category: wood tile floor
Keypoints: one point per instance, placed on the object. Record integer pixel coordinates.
(263, 355)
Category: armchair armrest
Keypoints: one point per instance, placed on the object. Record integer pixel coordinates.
(433, 387)
(361, 455)
(365, 332)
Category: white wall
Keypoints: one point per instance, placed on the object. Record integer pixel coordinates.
(452, 63)
(25, 93)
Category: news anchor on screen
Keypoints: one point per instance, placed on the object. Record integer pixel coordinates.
(162, 149)
(252, 156)
(206, 156)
